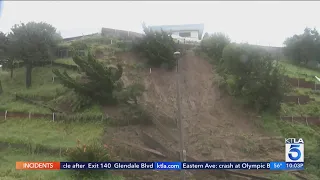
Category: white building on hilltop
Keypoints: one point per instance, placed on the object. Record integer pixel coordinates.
(189, 32)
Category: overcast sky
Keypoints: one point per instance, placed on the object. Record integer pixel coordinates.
(264, 23)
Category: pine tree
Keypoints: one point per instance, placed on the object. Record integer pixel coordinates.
(99, 82)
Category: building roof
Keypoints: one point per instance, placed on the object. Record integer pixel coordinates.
(79, 37)
(184, 27)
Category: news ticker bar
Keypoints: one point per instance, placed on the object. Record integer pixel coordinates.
(160, 165)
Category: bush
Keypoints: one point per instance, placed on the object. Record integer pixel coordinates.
(79, 48)
(94, 152)
(158, 47)
(98, 51)
(131, 93)
(252, 74)
(213, 45)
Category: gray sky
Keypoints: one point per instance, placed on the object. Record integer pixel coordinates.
(264, 23)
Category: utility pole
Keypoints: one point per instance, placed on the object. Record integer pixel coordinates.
(181, 127)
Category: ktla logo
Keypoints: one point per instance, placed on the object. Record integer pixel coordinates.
(294, 150)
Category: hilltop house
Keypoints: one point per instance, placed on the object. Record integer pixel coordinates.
(188, 31)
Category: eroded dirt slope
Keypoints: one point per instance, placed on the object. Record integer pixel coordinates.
(216, 128)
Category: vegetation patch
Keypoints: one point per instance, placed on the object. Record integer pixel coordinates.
(310, 109)
(49, 133)
(93, 152)
(295, 71)
(43, 90)
(253, 76)
(310, 135)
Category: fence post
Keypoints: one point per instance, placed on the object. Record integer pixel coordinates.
(307, 121)
(5, 115)
(53, 117)
(111, 41)
(150, 70)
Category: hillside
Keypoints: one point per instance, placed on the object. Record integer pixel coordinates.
(217, 127)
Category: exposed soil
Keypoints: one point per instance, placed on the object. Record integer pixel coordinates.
(215, 127)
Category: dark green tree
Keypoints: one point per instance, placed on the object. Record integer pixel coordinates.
(6, 53)
(33, 43)
(3, 44)
(213, 45)
(99, 83)
(303, 48)
(251, 73)
(158, 47)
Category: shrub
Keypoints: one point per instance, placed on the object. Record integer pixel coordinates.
(79, 45)
(98, 51)
(94, 152)
(213, 45)
(131, 93)
(252, 74)
(158, 47)
(78, 48)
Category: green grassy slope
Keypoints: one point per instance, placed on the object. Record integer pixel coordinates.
(310, 134)
(35, 133)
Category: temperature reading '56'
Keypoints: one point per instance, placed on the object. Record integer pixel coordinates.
(277, 165)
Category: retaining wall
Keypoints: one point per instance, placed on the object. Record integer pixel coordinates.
(305, 120)
(302, 83)
(302, 99)
(7, 114)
